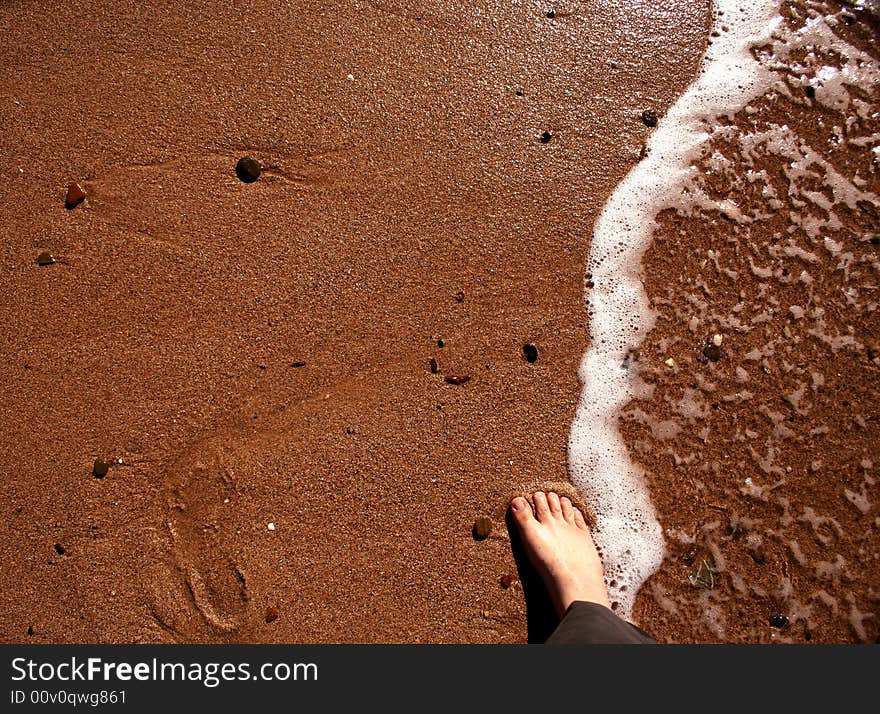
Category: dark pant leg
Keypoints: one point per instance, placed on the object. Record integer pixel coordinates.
(587, 623)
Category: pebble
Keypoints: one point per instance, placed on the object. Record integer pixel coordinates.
(670, 362)
(551, 14)
(712, 352)
(432, 365)
(482, 528)
(271, 614)
(271, 526)
(459, 296)
(248, 169)
(530, 352)
(45, 258)
(100, 468)
(60, 549)
(507, 580)
(717, 339)
(778, 621)
(75, 196)
(545, 137)
(457, 378)
(810, 91)
(298, 364)
(649, 117)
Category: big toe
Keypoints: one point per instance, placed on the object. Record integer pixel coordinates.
(522, 511)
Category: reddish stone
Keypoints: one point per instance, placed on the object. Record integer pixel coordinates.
(271, 614)
(457, 378)
(75, 196)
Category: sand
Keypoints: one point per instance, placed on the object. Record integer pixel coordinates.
(407, 200)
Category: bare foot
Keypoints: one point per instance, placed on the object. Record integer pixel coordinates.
(559, 544)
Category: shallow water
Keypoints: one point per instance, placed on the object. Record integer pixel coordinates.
(759, 191)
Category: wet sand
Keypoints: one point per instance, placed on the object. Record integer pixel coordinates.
(407, 199)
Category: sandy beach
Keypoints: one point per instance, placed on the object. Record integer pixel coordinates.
(268, 369)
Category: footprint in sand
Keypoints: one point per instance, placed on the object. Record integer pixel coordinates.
(199, 590)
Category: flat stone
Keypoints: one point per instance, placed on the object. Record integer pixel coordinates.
(507, 580)
(433, 366)
(457, 378)
(46, 258)
(482, 528)
(271, 614)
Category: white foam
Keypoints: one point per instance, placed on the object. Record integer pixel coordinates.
(627, 531)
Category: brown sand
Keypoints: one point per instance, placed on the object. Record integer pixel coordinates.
(164, 336)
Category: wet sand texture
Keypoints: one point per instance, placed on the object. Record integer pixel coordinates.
(757, 409)
(406, 196)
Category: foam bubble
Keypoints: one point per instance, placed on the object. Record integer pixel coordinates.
(627, 531)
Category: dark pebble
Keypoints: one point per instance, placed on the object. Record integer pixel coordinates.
(271, 614)
(248, 169)
(59, 549)
(874, 240)
(779, 621)
(507, 580)
(712, 352)
(518, 92)
(440, 344)
(701, 358)
(459, 296)
(545, 137)
(810, 91)
(482, 528)
(457, 378)
(530, 352)
(45, 258)
(75, 196)
(649, 117)
(432, 365)
(30, 631)
(551, 14)
(100, 468)
(298, 364)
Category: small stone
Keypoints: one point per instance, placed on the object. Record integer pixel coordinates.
(30, 630)
(551, 14)
(519, 92)
(248, 169)
(717, 339)
(60, 549)
(482, 528)
(778, 621)
(810, 91)
(873, 349)
(712, 352)
(440, 344)
(100, 468)
(530, 352)
(701, 358)
(262, 365)
(487, 615)
(45, 258)
(271, 526)
(297, 365)
(649, 117)
(670, 363)
(271, 614)
(75, 196)
(350, 77)
(432, 365)
(459, 296)
(546, 137)
(457, 378)
(507, 580)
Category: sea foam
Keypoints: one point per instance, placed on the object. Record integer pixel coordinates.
(626, 530)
